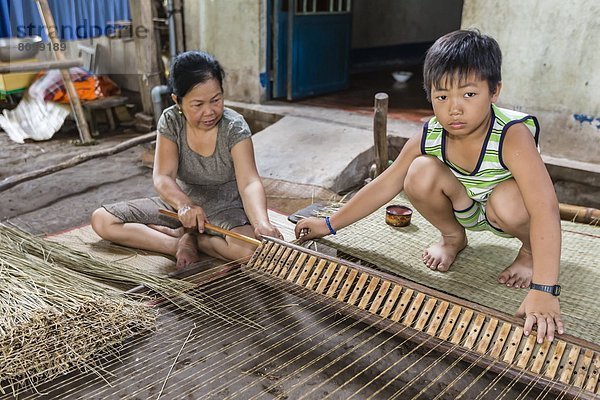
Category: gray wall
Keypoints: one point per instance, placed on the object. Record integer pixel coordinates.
(377, 23)
(234, 31)
(550, 67)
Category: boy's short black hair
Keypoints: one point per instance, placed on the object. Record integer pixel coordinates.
(460, 53)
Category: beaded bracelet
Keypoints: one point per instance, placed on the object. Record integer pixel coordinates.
(331, 230)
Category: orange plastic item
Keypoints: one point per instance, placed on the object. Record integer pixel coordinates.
(92, 88)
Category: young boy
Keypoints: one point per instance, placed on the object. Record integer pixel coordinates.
(476, 167)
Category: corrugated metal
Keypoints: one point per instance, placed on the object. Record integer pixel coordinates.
(75, 19)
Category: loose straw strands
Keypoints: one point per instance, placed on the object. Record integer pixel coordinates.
(53, 320)
(327, 210)
(58, 314)
(331, 207)
(173, 290)
(85, 263)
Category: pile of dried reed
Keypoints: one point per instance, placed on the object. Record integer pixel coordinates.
(53, 319)
(173, 290)
(58, 311)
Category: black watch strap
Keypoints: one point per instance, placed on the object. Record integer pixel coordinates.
(554, 290)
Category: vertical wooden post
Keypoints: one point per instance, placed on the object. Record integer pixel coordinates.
(290, 47)
(146, 50)
(50, 27)
(380, 132)
(180, 33)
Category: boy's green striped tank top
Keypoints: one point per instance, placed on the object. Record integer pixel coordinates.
(490, 169)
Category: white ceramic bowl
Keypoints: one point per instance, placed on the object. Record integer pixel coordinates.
(402, 76)
(10, 50)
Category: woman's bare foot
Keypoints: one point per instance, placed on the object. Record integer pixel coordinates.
(168, 231)
(440, 256)
(187, 250)
(519, 273)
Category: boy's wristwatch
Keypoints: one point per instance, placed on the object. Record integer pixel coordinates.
(554, 290)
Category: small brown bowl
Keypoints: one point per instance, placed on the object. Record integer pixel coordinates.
(396, 215)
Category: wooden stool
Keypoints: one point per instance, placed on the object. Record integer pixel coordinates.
(107, 104)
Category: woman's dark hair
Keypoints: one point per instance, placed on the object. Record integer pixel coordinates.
(191, 68)
(460, 53)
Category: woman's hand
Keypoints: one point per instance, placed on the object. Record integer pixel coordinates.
(267, 229)
(541, 309)
(311, 228)
(192, 217)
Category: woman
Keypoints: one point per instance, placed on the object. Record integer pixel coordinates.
(204, 169)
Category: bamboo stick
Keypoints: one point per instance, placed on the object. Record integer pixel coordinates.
(39, 65)
(38, 173)
(585, 215)
(50, 27)
(217, 229)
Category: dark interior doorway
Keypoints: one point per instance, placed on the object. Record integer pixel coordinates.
(406, 100)
(391, 37)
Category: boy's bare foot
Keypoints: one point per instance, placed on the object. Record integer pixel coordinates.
(187, 250)
(519, 273)
(440, 256)
(168, 231)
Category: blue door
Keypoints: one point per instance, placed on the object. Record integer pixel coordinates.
(311, 47)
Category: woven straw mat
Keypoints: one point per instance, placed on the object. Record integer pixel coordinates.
(85, 239)
(473, 274)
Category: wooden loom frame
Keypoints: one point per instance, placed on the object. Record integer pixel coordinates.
(281, 265)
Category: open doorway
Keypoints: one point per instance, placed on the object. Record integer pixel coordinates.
(389, 36)
(311, 47)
